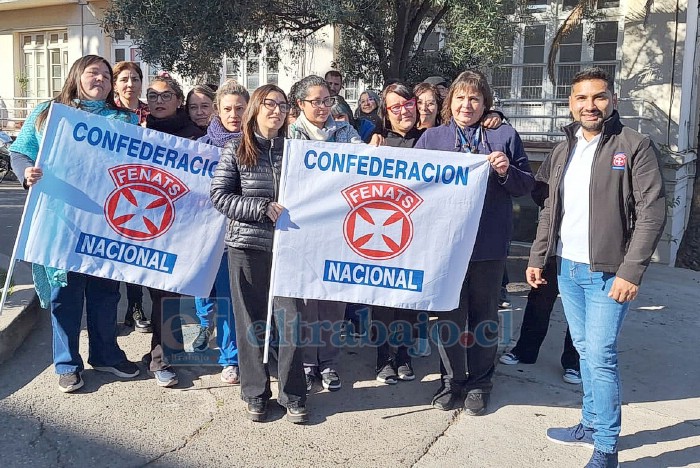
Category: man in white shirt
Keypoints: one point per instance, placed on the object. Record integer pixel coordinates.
(602, 220)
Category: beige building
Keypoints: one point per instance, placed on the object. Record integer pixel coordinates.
(653, 57)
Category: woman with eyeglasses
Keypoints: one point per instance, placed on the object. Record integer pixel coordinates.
(429, 105)
(398, 111)
(245, 189)
(368, 107)
(315, 122)
(88, 87)
(468, 100)
(200, 105)
(165, 99)
(226, 125)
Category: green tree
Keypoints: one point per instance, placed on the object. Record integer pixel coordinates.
(379, 38)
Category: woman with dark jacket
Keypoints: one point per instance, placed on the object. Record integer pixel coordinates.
(398, 113)
(467, 101)
(165, 99)
(244, 189)
(368, 107)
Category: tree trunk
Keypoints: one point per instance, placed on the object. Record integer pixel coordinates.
(689, 250)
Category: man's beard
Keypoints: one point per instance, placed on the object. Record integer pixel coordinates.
(596, 126)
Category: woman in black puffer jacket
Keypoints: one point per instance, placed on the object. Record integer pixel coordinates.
(245, 189)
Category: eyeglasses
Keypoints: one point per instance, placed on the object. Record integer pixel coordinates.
(317, 103)
(427, 103)
(367, 101)
(153, 96)
(408, 105)
(271, 104)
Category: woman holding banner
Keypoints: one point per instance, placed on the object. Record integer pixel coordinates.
(165, 100)
(88, 87)
(244, 189)
(229, 104)
(316, 123)
(468, 99)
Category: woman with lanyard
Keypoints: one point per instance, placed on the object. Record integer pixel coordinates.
(226, 125)
(88, 87)
(468, 99)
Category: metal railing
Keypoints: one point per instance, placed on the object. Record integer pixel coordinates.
(541, 120)
(14, 111)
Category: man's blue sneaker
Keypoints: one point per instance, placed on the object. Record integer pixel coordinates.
(602, 460)
(577, 435)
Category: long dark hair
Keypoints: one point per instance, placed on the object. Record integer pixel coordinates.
(248, 150)
(397, 88)
(71, 88)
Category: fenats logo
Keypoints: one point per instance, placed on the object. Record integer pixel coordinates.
(379, 225)
(619, 161)
(142, 205)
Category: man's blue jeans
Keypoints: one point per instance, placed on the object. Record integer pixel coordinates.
(100, 297)
(595, 321)
(225, 323)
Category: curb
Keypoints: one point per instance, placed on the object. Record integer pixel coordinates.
(21, 310)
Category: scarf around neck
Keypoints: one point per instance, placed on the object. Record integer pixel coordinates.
(314, 133)
(219, 135)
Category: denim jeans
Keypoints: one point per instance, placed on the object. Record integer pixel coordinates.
(101, 297)
(595, 321)
(225, 322)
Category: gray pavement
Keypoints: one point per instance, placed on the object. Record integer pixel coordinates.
(201, 422)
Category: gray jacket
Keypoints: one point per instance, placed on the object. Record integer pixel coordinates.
(627, 207)
(242, 194)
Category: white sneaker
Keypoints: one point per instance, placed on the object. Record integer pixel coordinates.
(509, 359)
(572, 376)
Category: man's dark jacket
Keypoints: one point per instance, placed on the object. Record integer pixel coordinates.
(627, 201)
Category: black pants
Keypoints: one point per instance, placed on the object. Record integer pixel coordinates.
(467, 360)
(402, 338)
(250, 284)
(167, 328)
(540, 302)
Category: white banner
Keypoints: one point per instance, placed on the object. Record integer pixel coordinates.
(383, 226)
(122, 202)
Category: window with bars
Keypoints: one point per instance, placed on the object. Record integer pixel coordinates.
(502, 76)
(44, 62)
(605, 41)
(533, 53)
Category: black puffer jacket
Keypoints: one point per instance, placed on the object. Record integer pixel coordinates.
(242, 193)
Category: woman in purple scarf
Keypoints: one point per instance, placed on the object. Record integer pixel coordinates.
(231, 101)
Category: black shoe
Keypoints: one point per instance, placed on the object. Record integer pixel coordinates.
(447, 398)
(141, 323)
(201, 342)
(257, 410)
(69, 382)
(310, 380)
(125, 370)
(387, 374)
(475, 404)
(296, 413)
(330, 380)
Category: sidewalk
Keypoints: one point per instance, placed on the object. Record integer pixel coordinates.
(202, 423)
